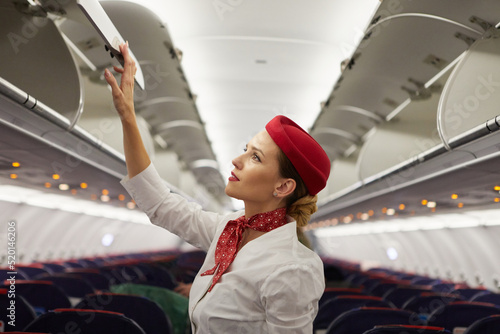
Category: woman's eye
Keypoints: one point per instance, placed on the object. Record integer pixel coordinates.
(256, 157)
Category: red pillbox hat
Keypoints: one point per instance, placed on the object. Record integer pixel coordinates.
(305, 154)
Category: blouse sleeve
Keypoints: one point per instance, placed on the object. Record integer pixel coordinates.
(291, 296)
(171, 211)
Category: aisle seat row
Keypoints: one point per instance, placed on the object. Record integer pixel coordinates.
(131, 294)
(381, 301)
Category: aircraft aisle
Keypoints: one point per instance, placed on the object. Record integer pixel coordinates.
(401, 94)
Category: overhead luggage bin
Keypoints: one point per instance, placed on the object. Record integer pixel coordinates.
(386, 102)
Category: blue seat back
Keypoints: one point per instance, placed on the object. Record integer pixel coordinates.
(360, 320)
(31, 272)
(407, 329)
(487, 325)
(492, 298)
(73, 286)
(42, 295)
(469, 293)
(15, 316)
(427, 303)
(333, 308)
(84, 322)
(147, 313)
(95, 278)
(331, 293)
(400, 295)
(461, 314)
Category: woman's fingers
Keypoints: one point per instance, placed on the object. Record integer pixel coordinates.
(110, 79)
(118, 69)
(129, 63)
(123, 93)
(128, 72)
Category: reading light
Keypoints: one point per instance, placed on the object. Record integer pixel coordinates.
(392, 253)
(107, 239)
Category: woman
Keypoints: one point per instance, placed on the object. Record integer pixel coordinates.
(257, 277)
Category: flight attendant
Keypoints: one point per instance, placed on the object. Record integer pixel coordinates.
(257, 277)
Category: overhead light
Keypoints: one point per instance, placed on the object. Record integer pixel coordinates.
(392, 253)
(454, 196)
(431, 205)
(105, 192)
(16, 164)
(131, 205)
(63, 187)
(391, 212)
(83, 185)
(460, 205)
(105, 198)
(497, 188)
(424, 202)
(13, 176)
(402, 207)
(37, 198)
(56, 176)
(47, 185)
(121, 197)
(107, 239)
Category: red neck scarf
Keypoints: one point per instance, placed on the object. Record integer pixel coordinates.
(230, 239)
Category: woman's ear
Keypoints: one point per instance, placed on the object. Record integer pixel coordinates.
(287, 187)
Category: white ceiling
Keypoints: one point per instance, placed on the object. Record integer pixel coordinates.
(248, 61)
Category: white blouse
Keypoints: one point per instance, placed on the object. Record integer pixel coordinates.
(273, 284)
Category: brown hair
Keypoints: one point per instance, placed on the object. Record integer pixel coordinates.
(300, 205)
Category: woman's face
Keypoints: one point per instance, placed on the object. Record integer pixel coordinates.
(256, 172)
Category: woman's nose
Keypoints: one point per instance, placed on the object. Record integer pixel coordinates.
(237, 162)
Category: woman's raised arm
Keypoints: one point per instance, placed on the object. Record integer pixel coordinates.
(136, 156)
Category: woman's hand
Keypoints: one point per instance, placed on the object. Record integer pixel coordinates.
(123, 95)
(136, 156)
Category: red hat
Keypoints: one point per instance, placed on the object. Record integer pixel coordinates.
(305, 154)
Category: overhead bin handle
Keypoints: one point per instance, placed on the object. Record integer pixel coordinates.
(107, 30)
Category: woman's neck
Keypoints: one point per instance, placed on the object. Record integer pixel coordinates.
(252, 209)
